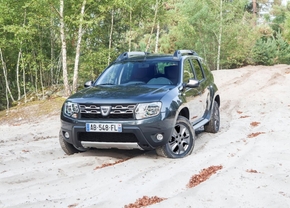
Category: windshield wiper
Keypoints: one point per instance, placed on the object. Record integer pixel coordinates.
(135, 83)
(107, 84)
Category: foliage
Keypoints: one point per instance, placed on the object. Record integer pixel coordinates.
(286, 31)
(280, 16)
(271, 50)
(31, 44)
(239, 36)
(264, 51)
(209, 20)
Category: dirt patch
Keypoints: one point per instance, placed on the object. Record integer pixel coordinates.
(252, 135)
(251, 171)
(145, 201)
(72, 205)
(254, 124)
(203, 175)
(244, 116)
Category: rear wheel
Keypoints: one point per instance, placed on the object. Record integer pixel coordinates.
(67, 147)
(213, 125)
(181, 142)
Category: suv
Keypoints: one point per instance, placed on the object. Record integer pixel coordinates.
(143, 101)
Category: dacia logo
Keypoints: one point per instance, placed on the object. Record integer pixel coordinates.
(105, 110)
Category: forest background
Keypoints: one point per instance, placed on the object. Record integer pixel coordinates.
(52, 44)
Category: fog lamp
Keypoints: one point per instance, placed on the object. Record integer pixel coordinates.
(66, 135)
(159, 137)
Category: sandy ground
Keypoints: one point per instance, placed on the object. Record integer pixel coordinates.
(252, 150)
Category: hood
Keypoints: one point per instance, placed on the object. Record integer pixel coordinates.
(120, 94)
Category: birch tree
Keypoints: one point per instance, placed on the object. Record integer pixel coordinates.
(111, 36)
(153, 25)
(220, 35)
(63, 49)
(8, 91)
(78, 48)
(157, 38)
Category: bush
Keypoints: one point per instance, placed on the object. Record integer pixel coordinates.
(270, 51)
(264, 51)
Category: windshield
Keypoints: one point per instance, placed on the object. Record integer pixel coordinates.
(141, 72)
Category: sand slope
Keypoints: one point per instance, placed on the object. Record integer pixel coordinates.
(253, 148)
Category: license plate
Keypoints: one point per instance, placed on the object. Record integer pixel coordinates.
(103, 127)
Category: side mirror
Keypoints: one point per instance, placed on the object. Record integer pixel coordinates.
(88, 84)
(192, 83)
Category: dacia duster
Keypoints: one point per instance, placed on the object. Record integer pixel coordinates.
(144, 101)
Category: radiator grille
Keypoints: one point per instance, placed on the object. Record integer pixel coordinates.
(92, 111)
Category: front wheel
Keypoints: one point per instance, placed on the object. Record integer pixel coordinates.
(67, 147)
(213, 125)
(181, 142)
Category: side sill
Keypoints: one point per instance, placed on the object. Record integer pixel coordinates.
(200, 124)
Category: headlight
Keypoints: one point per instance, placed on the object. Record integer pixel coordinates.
(71, 109)
(147, 110)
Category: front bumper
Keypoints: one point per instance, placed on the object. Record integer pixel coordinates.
(136, 134)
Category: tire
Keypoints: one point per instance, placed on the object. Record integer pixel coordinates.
(67, 147)
(181, 142)
(213, 125)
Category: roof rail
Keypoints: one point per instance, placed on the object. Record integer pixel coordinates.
(130, 54)
(180, 53)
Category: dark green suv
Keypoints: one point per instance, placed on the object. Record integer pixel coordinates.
(144, 101)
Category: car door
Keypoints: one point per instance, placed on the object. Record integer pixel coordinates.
(203, 90)
(191, 95)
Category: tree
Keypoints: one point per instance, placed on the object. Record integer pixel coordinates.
(7, 88)
(218, 29)
(154, 22)
(63, 48)
(78, 48)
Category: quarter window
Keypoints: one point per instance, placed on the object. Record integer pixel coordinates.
(198, 70)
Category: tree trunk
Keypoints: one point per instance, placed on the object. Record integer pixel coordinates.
(220, 35)
(111, 35)
(6, 83)
(63, 49)
(130, 32)
(5, 77)
(157, 38)
(23, 77)
(17, 75)
(77, 58)
(36, 78)
(7, 100)
(155, 16)
(41, 78)
(58, 69)
(254, 11)
(51, 53)
(18, 61)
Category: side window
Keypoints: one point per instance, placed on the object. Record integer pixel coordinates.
(198, 70)
(187, 71)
